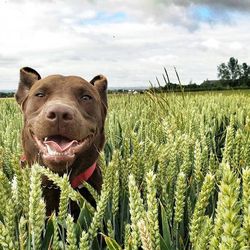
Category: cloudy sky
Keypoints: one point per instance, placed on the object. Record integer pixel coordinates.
(129, 41)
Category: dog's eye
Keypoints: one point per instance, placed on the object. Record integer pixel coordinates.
(86, 98)
(40, 94)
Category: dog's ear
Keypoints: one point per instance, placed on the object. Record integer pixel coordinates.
(28, 77)
(101, 83)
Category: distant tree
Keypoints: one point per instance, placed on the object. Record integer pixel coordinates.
(234, 68)
(223, 72)
(245, 71)
(229, 71)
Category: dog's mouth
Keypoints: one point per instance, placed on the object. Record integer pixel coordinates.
(60, 149)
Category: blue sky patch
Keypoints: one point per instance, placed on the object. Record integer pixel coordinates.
(208, 14)
(105, 17)
(202, 13)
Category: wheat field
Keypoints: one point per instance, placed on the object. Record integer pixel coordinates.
(176, 173)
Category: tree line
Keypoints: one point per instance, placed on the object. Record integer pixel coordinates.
(232, 75)
(6, 94)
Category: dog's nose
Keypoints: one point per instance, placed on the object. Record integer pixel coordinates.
(61, 113)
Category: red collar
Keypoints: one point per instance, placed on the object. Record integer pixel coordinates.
(79, 179)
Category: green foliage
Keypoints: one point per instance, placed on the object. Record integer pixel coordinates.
(233, 70)
(176, 176)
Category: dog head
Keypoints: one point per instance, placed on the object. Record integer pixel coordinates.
(63, 119)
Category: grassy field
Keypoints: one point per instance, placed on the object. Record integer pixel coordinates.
(176, 176)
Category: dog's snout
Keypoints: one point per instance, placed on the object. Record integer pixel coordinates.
(60, 113)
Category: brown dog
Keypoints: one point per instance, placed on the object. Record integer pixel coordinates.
(63, 127)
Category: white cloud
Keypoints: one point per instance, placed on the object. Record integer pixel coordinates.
(129, 43)
(235, 46)
(211, 43)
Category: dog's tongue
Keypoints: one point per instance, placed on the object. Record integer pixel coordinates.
(59, 143)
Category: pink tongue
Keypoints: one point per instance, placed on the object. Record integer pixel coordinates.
(60, 148)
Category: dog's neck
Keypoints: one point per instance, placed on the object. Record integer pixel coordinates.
(76, 181)
(84, 176)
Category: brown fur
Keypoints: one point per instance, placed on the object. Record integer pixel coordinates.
(57, 106)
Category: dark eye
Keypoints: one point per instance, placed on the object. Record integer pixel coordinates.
(40, 94)
(86, 98)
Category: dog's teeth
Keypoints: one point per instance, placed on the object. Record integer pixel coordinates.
(46, 138)
(50, 151)
(55, 153)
